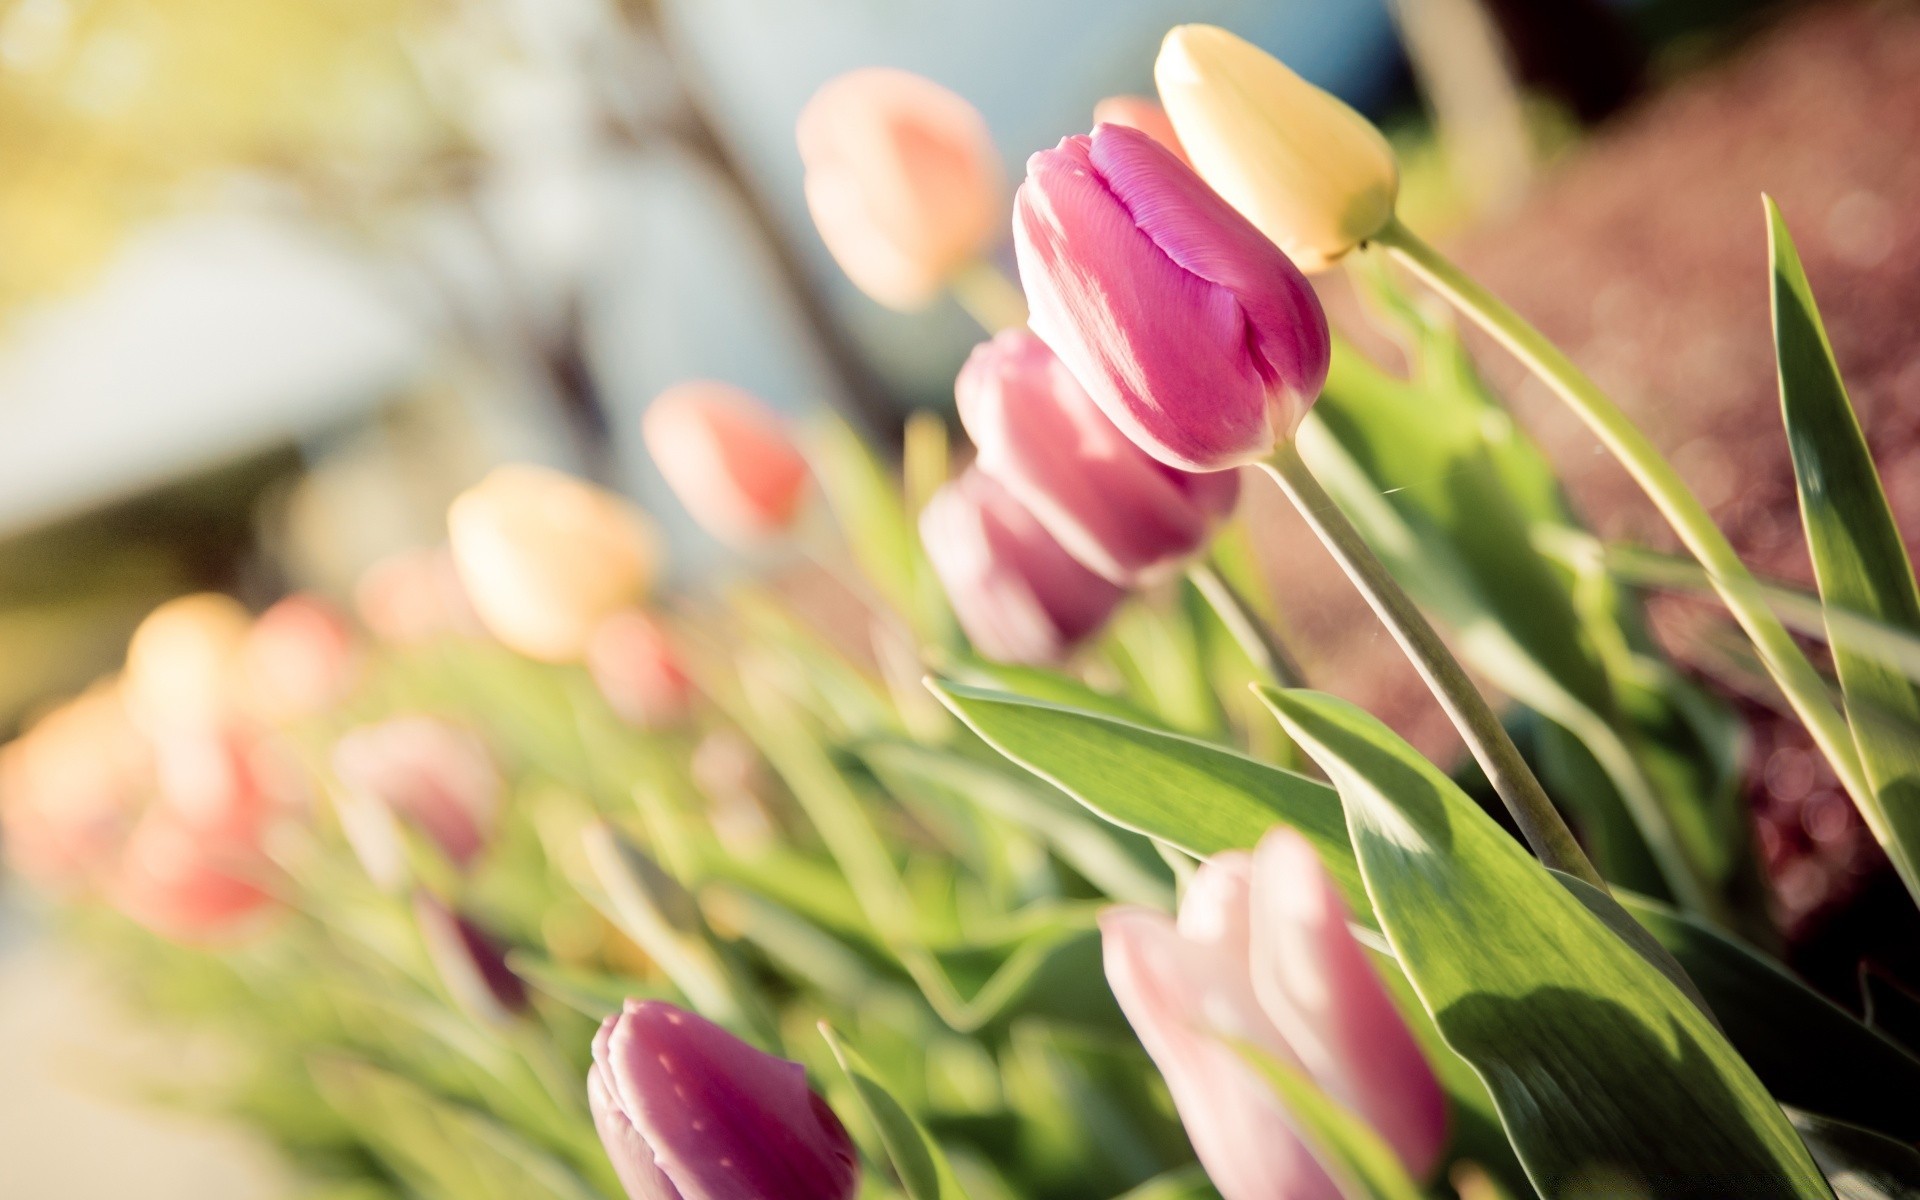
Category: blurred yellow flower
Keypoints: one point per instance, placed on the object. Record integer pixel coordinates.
(546, 557)
(1315, 176)
(183, 664)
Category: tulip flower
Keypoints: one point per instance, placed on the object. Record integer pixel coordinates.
(1020, 597)
(1123, 514)
(1138, 112)
(71, 787)
(545, 557)
(436, 777)
(1261, 954)
(189, 881)
(414, 596)
(1192, 331)
(688, 1111)
(299, 659)
(1311, 173)
(638, 671)
(902, 180)
(469, 963)
(182, 663)
(729, 460)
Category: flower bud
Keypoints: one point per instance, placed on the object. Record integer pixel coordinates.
(436, 777)
(190, 883)
(1138, 112)
(1020, 597)
(902, 180)
(1261, 954)
(545, 557)
(729, 459)
(414, 596)
(470, 965)
(1126, 516)
(1311, 173)
(299, 659)
(688, 1111)
(637, 669)
(1192, 331)
(71, 786)
(182, 663)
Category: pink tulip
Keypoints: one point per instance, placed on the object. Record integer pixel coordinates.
(729, 459)
(299, 659)
(638, 671)
(1020, 597)
(470, 964)
(71, 788)
(1196, 335)
(435, 776)
(1138, 112)
(415, 596)
(1127, 516)
(1261, 954)
(194, 869)
(688, 1111)
(902, 180)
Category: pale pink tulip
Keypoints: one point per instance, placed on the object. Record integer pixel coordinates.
(299, 659)
(638, 671)
(729, 459)
(1124, 514)
(71, 788)
(414, 596)
(435, 776)
(1261, 954)
(1020, 597)
(1193, 332)
(902, 180)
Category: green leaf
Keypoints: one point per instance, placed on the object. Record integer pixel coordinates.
(1859, 560)
(1861, 1164)
(916, 1157)
(1357, 1157)
(1181, 1183)
(1602, 1069)
(1198, 797)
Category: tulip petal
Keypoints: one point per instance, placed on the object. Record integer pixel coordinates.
(629, 1153)
(1317, 987)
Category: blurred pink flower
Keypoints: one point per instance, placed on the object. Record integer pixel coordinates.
(1020, 597)
(635, 665)
(1261, 953)
(415, 596)
(299, 659)
(189, 882)
(902, 179)
(1193, 332)
(71, 787)
(729, 459)
(435, 776)
(1138, 112)
(1127, 516)
(688, 1111)
(470, 963)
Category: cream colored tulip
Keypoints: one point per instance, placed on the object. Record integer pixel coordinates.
(546, 557)
(1311, 173)
(182, 669)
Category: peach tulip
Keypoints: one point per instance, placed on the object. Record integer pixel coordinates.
(728, 458)
(299, 659)
(182, 668)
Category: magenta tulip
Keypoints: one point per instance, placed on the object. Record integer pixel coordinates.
(1196, 335)
(470, 963)
(1261, 954)
(688, 1111)
(1020, 597)
(1125, 515)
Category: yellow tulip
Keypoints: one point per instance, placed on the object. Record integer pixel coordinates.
(183, 663)
(1315, 176)
(546, 557)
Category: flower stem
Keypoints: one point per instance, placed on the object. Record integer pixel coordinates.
(990, 298)
(1802, 685)
(1540, 823)
(1256, 638)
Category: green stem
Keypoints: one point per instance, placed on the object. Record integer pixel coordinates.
(1802, 685)
(1256, 638)
(989, 297)
(1540, 823)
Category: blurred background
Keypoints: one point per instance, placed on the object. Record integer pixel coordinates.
(278, 280)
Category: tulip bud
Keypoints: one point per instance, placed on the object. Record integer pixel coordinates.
(545, 557)
(687, 1111)
(190, 884)
(637, 670)
(1020, 597)
(470, 965)
(1126, 516)
(729, 460)
(438, 778)
(71, 786)
(1138, 112)
(299, 659)
(1192, 331)
(415, 596)
(1261, 954)
(902, 180)
(182, 661)
(1311, 173)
